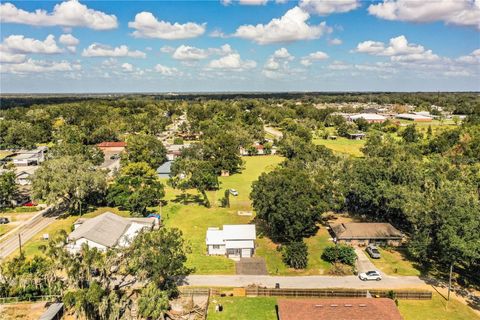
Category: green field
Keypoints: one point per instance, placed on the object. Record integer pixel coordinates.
(342, 145)
(394, 263)
(242, 308)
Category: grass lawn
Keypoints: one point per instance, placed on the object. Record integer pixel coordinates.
(342, 145)
(394, 263)
(316, 245)
(4, 228)
(31, 247)
(243, 308)
(435, 309)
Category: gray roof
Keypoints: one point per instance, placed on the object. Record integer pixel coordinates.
(105, 229)
(165, 168)
(52, 311)
(365, 230)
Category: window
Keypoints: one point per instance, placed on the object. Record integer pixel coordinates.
(216, 246)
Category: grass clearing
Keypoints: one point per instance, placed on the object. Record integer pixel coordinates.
(394, 262)
(435, 309)
(342, 145)
(243, 308)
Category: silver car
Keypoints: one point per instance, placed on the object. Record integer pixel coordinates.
(373, 252)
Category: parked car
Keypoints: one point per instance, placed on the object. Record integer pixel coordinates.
(373, 252)
(233, 192)
(370, 275)
(4, 220)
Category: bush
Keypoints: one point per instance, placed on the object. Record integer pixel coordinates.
(295, 255)
(341, 253)
(177, 141)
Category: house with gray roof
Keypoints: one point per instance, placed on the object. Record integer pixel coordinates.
(364, 233)
(107, 230)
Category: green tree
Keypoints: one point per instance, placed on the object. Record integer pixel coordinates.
(223, 152)
(153, 302)
(295, 255)
(290, 203)
(136, 188)
(8, 188)
(340, 253)
(145, 148)
(410, 134)
(68, 181)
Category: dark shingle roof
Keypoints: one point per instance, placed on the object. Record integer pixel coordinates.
(366, 230)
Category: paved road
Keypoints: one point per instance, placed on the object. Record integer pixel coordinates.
(363, 263)
(388, 282)
(27, 231)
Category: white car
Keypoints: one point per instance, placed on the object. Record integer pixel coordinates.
(233, 192)
(370, 275)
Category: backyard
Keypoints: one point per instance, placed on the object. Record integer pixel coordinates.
(243, 308)
(342, 145)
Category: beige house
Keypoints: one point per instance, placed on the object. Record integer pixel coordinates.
(364, 233)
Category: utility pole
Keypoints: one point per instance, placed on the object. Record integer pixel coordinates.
(20, 243)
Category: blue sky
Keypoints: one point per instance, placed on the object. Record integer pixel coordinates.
(239, 45)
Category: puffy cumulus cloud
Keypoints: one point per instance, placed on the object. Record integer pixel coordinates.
(335, 41)
(18, 44)
(292, 26)
(398, 50)
(245, 2)
(231, 61)
(277, 65)
(166, 71)
(472, 58)
(326, 7)
(458, 12)
(99, 50)
(70, 41)
(38, 66)
(339, 65)
(127, 67)
(167, 49)
(67, 14)
(6, 57)
(147, 26)
(188, 53)
(314, 56)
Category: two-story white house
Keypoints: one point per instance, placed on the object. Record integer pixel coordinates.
(234, 241)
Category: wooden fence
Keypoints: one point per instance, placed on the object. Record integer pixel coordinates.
(338, 293)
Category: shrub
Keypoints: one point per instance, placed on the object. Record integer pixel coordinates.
(295, 255)
(177, 141)
(340, 253)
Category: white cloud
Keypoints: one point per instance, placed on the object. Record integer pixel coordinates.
(314, 56)
(282, 53)
(69, 40)
(253, 2)
(127, 67)
(277, 65)
(189, 53)
(99, 50)
(167, 49)
(335, 42)
(338, 65)
(458, 12)
(472, 58)
(398, 50)
(232, 61)
(217, 33)
(166, 71)
(326, 7)
(18, 44)
(292, 26)
(67, 14)
(6, 57)
(147, 26)
(37, 66)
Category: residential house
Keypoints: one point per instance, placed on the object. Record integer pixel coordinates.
(30, 157)
(356, 136)
(107, 230)
(337, 309)
(164, 170)
(364, 233)
(175, 150)
(234, 241)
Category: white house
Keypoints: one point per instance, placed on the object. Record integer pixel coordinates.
(30, 157)
(235, 241)
(369, 117)
(107, 230)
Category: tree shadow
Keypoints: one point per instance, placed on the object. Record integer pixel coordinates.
(186, 198)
